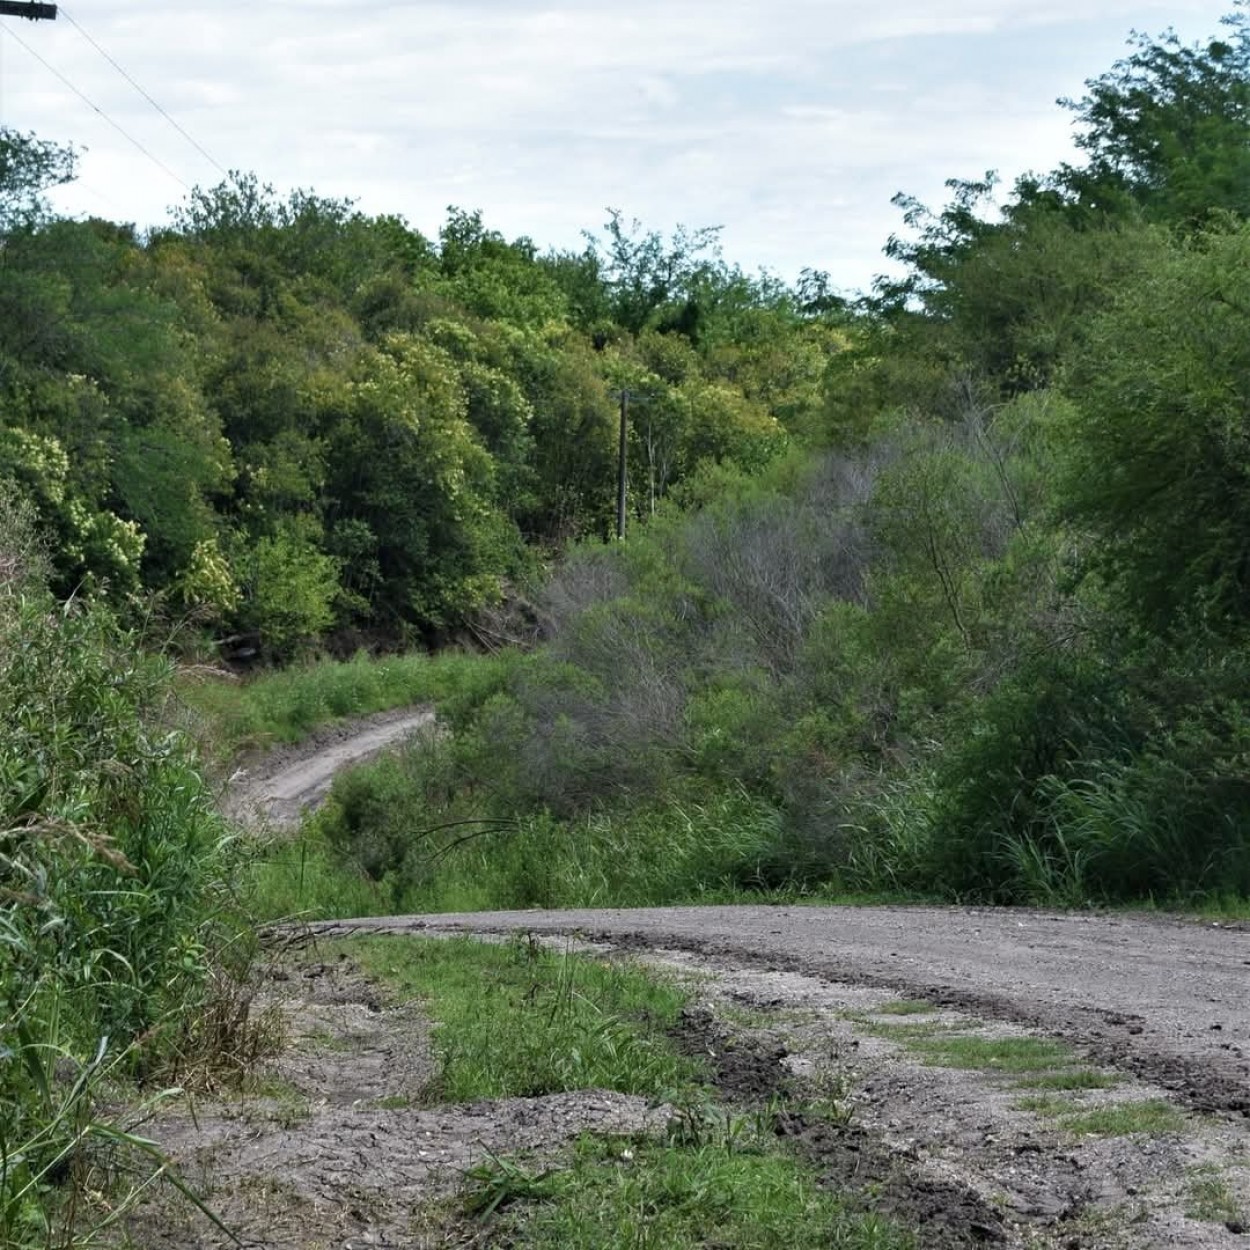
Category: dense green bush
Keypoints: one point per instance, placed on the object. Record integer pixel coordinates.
(112, 880)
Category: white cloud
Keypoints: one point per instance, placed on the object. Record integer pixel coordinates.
(789, 122)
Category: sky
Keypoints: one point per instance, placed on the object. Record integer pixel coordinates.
(790, 124)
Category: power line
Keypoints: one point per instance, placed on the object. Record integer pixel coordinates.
(65, 13)
(96, 108)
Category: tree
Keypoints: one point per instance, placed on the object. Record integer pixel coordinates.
(28, 168)
(1158, 451)
(406, 465)
(646, 275)
(1166, 130)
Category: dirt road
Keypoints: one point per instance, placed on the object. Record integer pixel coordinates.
(1165, 999)
(278, 788)
(1139, 1137)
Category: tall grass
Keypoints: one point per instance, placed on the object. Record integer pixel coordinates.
(518, 1020)
(113, 893)
(285, 705)
(378, 827)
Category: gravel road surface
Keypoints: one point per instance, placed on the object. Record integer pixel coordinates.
(1163, 998)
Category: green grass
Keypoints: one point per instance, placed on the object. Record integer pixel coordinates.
(285, 705)
(303, 878)
(620, 1194)
(1075, 1079)
(392, 1102)
(904, 1034)
(991, 1054)
(1125, 1119)
(904, 1007)
(517, 1019)
(1209, 1197)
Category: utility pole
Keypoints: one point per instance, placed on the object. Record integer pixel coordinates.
(33, 12)
(622, 475)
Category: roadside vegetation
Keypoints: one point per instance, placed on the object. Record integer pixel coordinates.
(517, 1018)
(285, 705)
(982, 638)
(120, 946)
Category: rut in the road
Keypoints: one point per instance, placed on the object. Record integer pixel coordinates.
(1163, 999)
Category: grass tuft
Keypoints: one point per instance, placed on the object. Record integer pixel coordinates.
(904, 1007)
(1209, 1197)
(1151, 1116)
(517, 1019)
(624, 1193)
(1077, 1078)
(989, 1054)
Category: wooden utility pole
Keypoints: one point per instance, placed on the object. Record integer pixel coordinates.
(34, 12)
(621, 474)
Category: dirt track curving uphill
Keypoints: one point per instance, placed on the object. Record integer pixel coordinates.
(288, 781)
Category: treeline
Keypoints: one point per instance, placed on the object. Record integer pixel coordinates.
(289, 419)
(991, 644)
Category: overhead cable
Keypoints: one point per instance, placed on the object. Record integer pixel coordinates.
(205, 154)
(95, 108)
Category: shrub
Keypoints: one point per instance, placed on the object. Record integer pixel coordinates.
(111, 877)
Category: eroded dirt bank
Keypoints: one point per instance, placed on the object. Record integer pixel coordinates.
(1165, 999)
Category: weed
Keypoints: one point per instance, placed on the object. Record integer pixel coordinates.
(393, 1102)
(624, 1193)
(1209, 1197)
(904, 1007)
(990, 1054)
(828, 1094)
(1125, 1119)
(1075, 1079)
(905, 1034)
(499, 1183)
(520, 1019)
(303, 878)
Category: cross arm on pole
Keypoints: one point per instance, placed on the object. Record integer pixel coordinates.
(24, 8)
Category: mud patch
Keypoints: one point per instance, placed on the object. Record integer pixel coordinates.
(749, 1068)
(336, 1144)
(745, 1069)
(852, 1161)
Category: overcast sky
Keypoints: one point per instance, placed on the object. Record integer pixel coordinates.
(790, 123)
